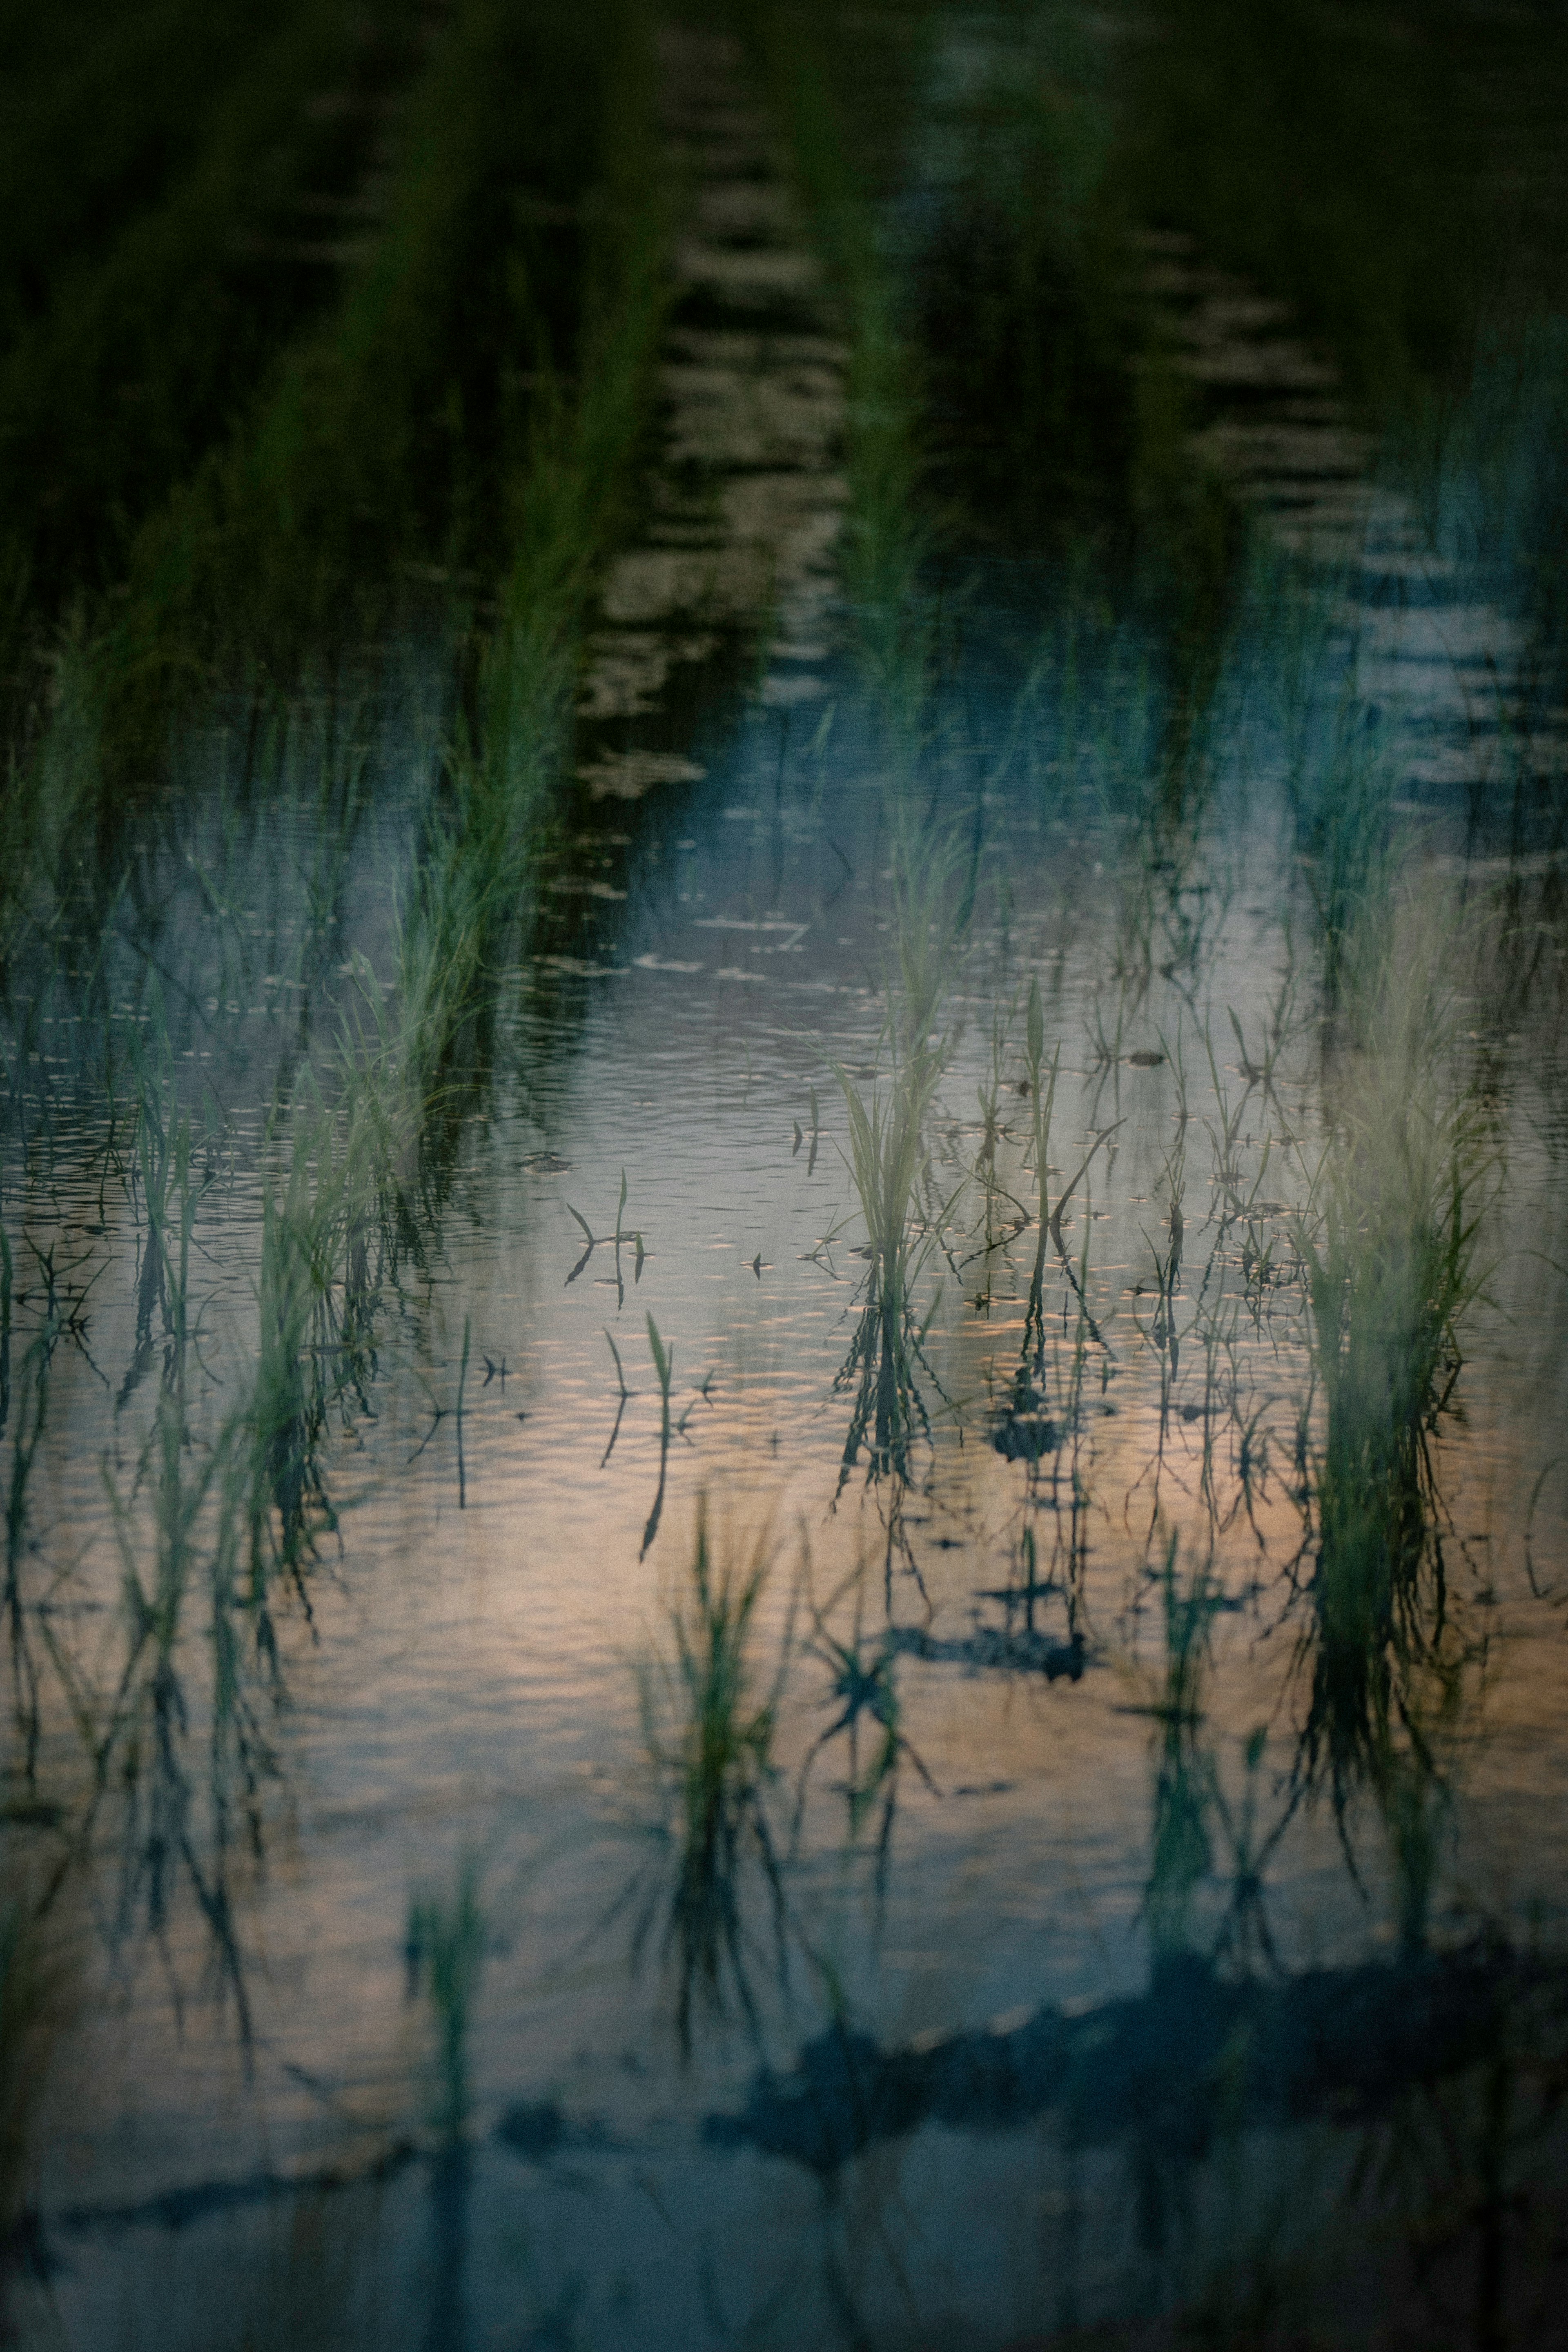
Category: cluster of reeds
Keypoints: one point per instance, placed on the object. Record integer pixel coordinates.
(1389, 1248)
(889, 1159)
(175, 310)
(1325, 173)
(1020, 284)
(814, 58)
(468, 407)
(173, 1720)
(710, 1720)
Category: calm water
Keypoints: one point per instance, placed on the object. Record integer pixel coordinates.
(1113, 1918)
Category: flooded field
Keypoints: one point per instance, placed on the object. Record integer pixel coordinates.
(783, 1249)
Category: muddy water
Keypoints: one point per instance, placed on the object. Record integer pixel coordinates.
(1042, 1618)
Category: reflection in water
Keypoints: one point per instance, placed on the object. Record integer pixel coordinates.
(1117, 1878)
(1389, 1273)
(862, 1681)
(709, 1739)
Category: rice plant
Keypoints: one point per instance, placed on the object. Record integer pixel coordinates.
(1389, 1251)
(710, 1721)
(888, 535)
(178, 1815)
(888, 1162)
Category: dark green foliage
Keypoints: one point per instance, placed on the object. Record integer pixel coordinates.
(340, 420)
(393, 435)
(1356, 162)
(140, 358)
(100, 108)
(1029, 323)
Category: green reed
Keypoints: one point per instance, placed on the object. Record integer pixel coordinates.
(180, 1533)
(710, 1724)
(176, 306)
(812, 64)
(1389, 1251)
(98, 121)
(888, 1162)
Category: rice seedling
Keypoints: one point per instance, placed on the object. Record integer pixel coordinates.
(162, 1177)
(1342, 808)
(887, 533)
(314, 1296)
(1042, 1102)
(197, 1656)
(888, 1162)
(1245, 1941)
(98, 126)
(462, 1384)
(248, 561)
(137, 1732)
(663, 1364)
(620, 1236)
(50, 793)
(1362, 222)
(1389, 1251)
(1200, 1837)
(177, 300)
(1020, 286)
(623, 1399)
(708, 1725)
